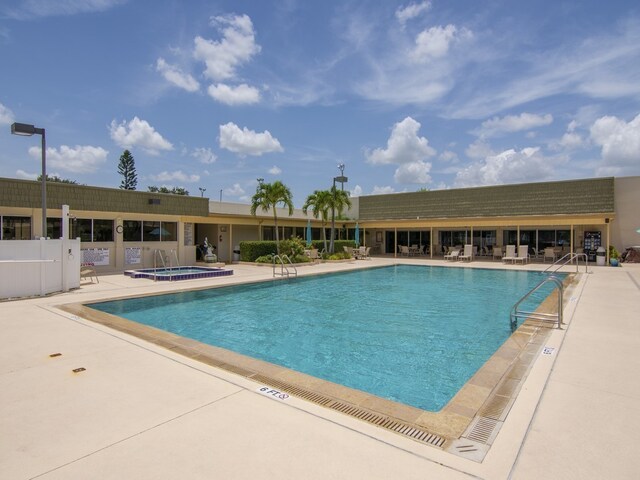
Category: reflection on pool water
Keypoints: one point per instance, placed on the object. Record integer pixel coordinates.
(412, 334)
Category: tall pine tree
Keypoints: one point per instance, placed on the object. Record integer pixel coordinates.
(127, 168)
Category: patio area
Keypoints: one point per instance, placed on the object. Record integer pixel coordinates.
(80, 400)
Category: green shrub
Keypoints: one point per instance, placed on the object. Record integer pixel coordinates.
(250, 251)
(613, 253)
(264, 259)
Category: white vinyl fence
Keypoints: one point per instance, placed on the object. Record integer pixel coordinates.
(38, 267)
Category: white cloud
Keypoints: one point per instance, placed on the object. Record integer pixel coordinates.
(234, 191)
(26, 175)
(204, 155)
(247, 142)
(620, 142)
(46, 8)
(510, 166)
(603, 66)
(404, 14)
(406, 149)
(177, 175)
(78, 159)
(175, 76)
(138, 133)
(512, 123)
(275, 170)
(382, 190)
(239, 95)
(356, 192)
(571, 140)
(404, 145)
(448, 156)
(414, 172)
(435, 41)
(236, 47)
(478, 149)
(6, 115)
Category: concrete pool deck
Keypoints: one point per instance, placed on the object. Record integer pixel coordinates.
(141, 411)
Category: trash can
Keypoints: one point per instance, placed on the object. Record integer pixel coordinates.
(236, 253)
(601, 256)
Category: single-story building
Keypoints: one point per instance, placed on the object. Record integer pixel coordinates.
(122, 229)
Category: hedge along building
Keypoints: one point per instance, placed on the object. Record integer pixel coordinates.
(121, 229)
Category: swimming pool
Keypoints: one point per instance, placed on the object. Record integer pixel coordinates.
(178, 273)
(411, 334)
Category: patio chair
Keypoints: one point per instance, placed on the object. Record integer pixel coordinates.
(404, 250)
(523, 254)
(510, 254)
(549, 252)
(364, 253)
(497, 253)
(468, 253)
(453, 255)
(313, 254)
(87, 270)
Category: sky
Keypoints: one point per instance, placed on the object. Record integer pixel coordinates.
(407, 95)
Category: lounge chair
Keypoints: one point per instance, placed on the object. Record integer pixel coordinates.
(468, 253)
(510, 254)
(87, 270)
(497, 252)
(453, 255)
(523, 254)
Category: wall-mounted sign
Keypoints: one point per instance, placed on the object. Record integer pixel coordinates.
(96, 256)
(133, 255)
(188, 234)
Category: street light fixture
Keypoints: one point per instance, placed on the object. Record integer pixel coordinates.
(27, 130)
(202, 190)
(342, 179)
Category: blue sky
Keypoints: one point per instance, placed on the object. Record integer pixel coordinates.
(408, 95)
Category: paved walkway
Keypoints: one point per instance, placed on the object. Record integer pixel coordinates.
(141, 411)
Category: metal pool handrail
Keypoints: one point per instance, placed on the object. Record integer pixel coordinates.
(555, 317)
(569, 258)
(284, 270)
(160, 253)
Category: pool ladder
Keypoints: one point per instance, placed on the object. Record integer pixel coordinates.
(565, 260)
(157, 253)
(284, 262)
(554, 318)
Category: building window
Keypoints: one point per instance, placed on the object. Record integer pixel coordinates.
(54, 227)
(169, 231)
(81, 227)
(159, 231)
(15, 228)
(102, 230)
(132, 231)
(92, 230)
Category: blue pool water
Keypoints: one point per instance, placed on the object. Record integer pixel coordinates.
(412, 334)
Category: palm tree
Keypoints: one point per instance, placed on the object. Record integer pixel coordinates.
(268, 196)
(320, 203)
(338, 201)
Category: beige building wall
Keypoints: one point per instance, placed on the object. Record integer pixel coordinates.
(627, 203)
